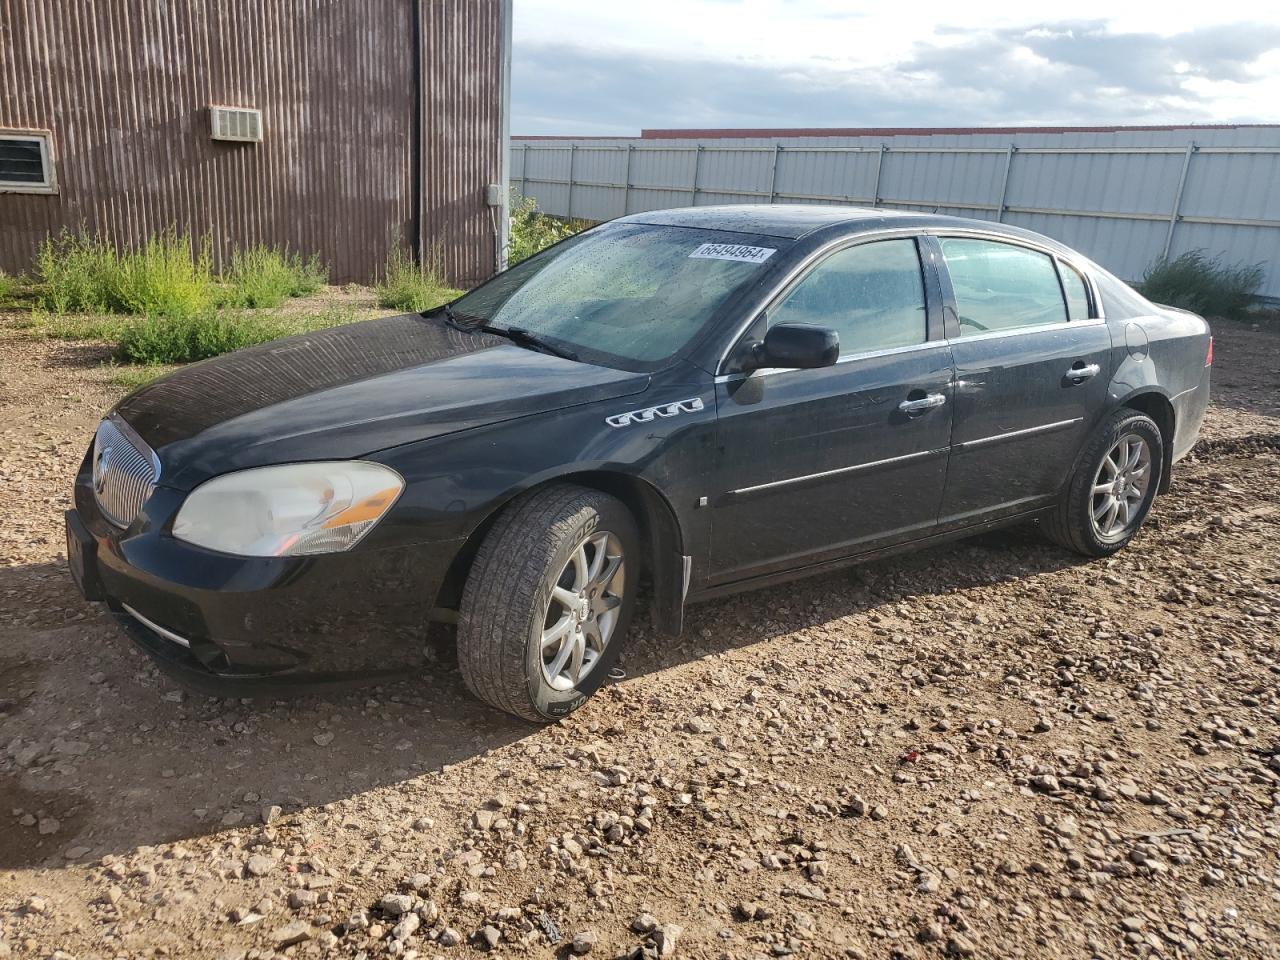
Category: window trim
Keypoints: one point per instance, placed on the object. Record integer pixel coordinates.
(47, 160)
(1089, 301)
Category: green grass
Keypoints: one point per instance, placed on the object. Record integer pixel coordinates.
(131, 377)
(8, 288)
(169, 340)
(157, 340)
(265, 277)
(1203, 284)
(414, 287)
(170, 275)
(75, 274)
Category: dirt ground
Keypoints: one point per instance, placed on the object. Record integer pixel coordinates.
(992, 749)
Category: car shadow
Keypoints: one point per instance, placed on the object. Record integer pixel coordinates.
(1008, 554)
(104, 755)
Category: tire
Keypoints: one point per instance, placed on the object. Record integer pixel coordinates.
(516, 594)
(1074, 523)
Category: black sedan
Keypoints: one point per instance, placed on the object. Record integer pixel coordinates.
(685, 403)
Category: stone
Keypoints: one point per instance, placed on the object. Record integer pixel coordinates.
(260, 865)
(406, 927)
(665, 938)
(645, 923)
(395, 904)
(292, 934)
(582, 942)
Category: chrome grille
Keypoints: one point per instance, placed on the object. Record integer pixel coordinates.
(125, 471)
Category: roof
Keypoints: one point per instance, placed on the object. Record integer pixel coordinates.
(742, 132)
(792, 220)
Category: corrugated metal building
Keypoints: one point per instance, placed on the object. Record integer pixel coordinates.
(1124, 196)
(365, 125)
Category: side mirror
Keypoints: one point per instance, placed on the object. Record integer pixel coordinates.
(796, 345)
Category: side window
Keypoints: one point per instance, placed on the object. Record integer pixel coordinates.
(999, 286)
(871, 294)
(1077, 293)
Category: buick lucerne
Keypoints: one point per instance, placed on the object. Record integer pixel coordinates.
(676, 405)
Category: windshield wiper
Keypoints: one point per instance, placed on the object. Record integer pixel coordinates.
(469, 323)
(524, 338)
(462, 321)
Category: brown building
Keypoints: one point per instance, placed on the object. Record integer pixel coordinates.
(355, 126)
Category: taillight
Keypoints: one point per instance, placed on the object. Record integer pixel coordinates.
(1208, 357)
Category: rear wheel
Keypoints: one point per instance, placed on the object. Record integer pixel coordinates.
(548, 602)
(1113, 486)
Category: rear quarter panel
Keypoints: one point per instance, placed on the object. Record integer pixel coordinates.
(1164, 352)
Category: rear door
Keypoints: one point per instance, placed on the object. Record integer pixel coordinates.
(1032, 365)
(824, 463)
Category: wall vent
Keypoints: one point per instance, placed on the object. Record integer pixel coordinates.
(239, 124)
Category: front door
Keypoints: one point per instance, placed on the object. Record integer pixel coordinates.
(1032, 368)
(819, 464)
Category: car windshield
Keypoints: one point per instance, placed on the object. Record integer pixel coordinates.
(627, 295)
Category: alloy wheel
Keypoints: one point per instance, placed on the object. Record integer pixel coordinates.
(1120, 487)
(583, 611)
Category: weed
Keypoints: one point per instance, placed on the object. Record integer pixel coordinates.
(132, 377)
(1203, 284)
(8, 287)
(411, 286)
(182, 339)
(263, 276)
(75, 273)
(532, 231)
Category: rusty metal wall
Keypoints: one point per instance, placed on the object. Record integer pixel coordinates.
(462, 145)
(125, 89)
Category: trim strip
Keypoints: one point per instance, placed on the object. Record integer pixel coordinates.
(1023, 331)
(156, 628)
(906, 458)
(1028, 431)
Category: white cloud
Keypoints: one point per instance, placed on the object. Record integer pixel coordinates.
(1202, 57)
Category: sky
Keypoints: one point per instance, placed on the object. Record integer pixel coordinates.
(609, 67)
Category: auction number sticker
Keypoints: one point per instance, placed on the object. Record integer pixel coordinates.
(732, 251)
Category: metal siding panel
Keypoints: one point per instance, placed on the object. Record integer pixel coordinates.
(125, 89)
(1142, 185)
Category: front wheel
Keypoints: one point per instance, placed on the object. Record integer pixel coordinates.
(1113, 487)
(548, 601)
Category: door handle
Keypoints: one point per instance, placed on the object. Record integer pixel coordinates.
(1080, 372)
(925, 403)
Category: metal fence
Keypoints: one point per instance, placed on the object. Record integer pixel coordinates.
(1125, 199)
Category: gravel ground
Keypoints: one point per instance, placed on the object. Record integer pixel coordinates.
(992, 749)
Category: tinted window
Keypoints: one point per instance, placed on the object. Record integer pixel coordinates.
(871, 294)
(1002, 287)
(1077, 293)
(628, 295)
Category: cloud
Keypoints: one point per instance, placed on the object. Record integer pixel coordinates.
(1060, 72)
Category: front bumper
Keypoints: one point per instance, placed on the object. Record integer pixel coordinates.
(252, 623)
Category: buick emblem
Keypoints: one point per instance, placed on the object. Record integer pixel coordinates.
(100, 464)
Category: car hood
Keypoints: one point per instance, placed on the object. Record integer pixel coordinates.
(351, 390)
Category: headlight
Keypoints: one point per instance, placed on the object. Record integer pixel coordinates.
(289, 510)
